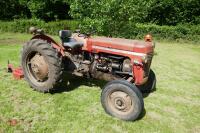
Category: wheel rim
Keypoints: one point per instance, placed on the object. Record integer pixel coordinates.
(120, 102)
(37, 67)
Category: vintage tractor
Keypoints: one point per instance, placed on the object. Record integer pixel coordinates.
(124, 63)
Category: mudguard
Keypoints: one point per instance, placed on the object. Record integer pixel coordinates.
(55, 45)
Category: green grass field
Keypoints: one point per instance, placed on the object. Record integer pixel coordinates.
(173, 108)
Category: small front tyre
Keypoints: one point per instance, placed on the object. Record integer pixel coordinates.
(122, 99)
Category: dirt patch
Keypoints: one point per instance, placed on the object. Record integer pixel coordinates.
(196, 129)
(154, 115)
(193, 102)
(12, 41)
(171, 111)
(13, 122)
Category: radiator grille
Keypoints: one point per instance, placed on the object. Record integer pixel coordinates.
(147, 65)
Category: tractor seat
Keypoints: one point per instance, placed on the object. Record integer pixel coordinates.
(73, 45)
(68, 41)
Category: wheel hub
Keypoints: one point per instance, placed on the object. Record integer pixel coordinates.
(120, 101)
(39, 67)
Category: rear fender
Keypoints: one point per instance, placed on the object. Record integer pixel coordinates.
(55, 45)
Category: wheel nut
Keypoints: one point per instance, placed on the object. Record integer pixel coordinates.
(119, 103)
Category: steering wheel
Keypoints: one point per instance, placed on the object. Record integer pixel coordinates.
(85, 35)
(82, 35)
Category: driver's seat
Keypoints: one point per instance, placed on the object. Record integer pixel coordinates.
(68, 41)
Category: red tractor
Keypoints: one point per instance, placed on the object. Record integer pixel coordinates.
(124, 63)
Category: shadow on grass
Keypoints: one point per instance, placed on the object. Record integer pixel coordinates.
(73, 82)
(146, 94)
(142, 114)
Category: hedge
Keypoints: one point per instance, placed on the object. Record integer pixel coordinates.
(184, 32)
(22, 26)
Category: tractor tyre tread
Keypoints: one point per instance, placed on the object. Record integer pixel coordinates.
(54, 60)
(130, 89)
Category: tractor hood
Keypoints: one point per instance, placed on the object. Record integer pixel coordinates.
(122, 44)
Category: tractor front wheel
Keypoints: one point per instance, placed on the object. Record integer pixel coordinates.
(42, 65)
(122, 99)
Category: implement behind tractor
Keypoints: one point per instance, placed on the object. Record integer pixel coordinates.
(124, 63)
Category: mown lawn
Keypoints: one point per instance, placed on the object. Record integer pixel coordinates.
(173, 108)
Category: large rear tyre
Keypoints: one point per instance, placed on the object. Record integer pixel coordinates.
(122, 99)
(42, 65)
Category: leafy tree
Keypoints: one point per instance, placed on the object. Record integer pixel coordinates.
(49, 9)
(11, 9)
(42, 9)
(172, 12)
(108, 16)
(118, 17)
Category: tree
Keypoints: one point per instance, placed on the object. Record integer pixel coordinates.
(117, 13)
(11, 9)
(109, 17)
(49, 9)
(172, 12)
(41, 9)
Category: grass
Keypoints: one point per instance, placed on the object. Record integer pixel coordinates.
(173, 108)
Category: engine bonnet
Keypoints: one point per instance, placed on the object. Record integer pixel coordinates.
(122, 44)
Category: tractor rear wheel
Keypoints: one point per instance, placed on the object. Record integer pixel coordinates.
(122, 99)
(42, 65)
